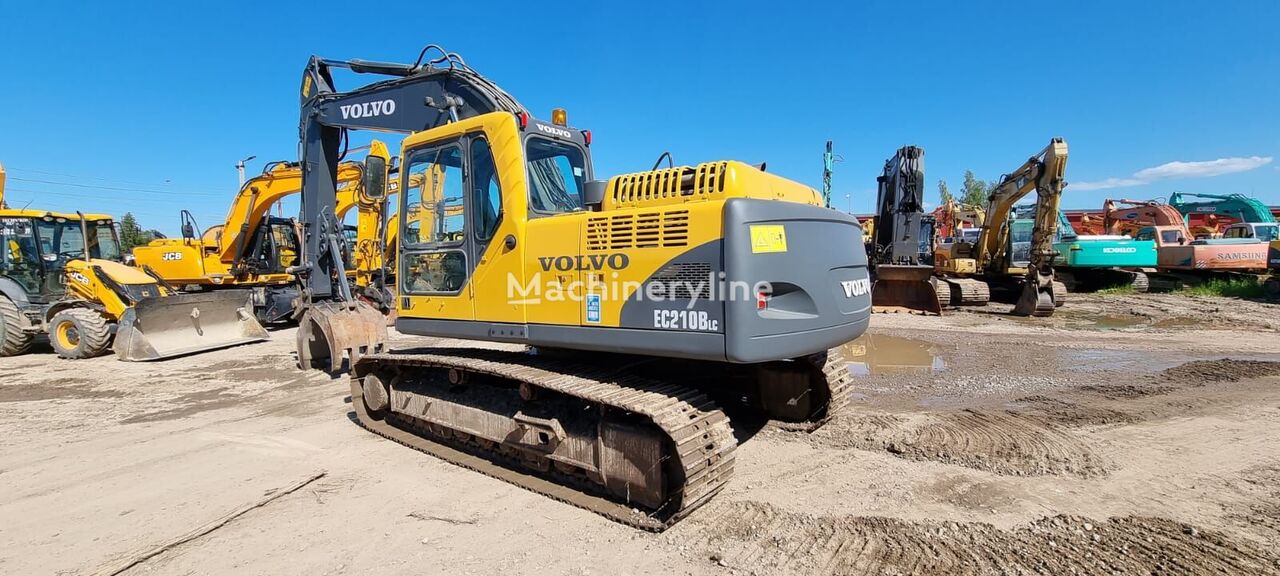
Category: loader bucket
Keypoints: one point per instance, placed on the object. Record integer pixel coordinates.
(328, 329)
(905, 288)
(181, 324)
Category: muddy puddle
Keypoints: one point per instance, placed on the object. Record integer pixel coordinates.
(879, 354)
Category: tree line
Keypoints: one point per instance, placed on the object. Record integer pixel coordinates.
(974, 192)
(132, 234)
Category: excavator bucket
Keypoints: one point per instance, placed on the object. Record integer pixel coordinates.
(905, 288)
(1038, 298)
(328, 329)
(181, 324)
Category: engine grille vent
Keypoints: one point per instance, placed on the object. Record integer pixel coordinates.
(668, 229)
(659, 185)
(685, 280)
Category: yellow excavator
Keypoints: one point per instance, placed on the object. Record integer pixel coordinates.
(637, 303)
(63, 275)
(985, 264)
(255, 250)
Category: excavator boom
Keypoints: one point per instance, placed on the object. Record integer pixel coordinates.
(902, 247)
(1045, 174)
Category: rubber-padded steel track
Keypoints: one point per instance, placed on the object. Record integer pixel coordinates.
(699, 431)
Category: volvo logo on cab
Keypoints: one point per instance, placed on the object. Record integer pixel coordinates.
(561, 132)
(368, 109)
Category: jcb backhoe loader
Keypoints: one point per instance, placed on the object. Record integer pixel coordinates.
(255, 250)
(901, 251)
(63, 275)
(521, 244)
(990, 259)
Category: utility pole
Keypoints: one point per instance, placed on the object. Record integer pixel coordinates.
(240, 169)
(829, 160)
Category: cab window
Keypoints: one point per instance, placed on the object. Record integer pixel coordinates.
(19, 257)
(433, 198)
(557, 174)
(485, 189)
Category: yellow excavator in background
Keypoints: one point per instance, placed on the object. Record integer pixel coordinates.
(255, 250)
(63, 275)
(987, 262)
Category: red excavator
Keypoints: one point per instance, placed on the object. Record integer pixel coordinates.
(1178, 250)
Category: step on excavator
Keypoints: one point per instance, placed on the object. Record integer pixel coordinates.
(901, 250)
(989, 260)
(604, 358)
(63, 275)
(254, 250)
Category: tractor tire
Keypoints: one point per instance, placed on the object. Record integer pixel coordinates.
(79, 333)
(13, 339)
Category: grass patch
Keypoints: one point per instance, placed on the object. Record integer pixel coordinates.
(1231, 288)
(1118, 289)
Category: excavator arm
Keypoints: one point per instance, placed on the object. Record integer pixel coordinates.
(1044, 173)
(901, 254)
(277, 181)
(1121, 216)
(413, 98)
(1237, 206)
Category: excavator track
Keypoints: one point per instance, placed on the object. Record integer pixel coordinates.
(697, 442)
(834, 368)
(968, 291)
(696, 437)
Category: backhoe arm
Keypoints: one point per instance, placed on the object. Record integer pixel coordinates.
(277, 181)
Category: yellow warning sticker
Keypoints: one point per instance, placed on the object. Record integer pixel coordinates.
(766, 238)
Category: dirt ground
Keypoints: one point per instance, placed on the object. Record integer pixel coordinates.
(1127, 434)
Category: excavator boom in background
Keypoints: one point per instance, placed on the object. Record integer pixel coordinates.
(255, 250)
(901, 250)
(514, 240)
(989, 260)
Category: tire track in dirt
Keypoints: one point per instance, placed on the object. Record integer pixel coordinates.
(1001, 442)
(1262, 514)
(761, 539)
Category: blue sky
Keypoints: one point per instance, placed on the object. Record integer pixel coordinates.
(147, 108)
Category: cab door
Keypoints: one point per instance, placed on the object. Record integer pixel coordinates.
(436, 252)
(494, 199)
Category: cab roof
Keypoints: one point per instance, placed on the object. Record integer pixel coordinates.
(11, 213)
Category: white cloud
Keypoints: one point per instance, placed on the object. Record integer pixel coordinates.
(1108, 183)
(1177, 170)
